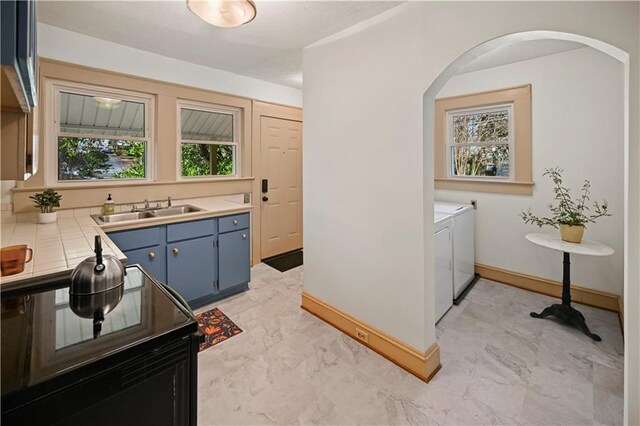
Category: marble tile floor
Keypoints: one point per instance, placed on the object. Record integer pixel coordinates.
(499, 366)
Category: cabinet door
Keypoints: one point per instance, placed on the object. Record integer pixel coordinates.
(192, 267)
(26, 53)
(443, 272)
(151, 259)
(234, 259)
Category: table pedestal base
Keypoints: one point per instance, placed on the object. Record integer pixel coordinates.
(568, 315)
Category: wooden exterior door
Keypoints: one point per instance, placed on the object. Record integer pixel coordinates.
(281, 203)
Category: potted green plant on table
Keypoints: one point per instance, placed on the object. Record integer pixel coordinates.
(46, 201)
(570, 215)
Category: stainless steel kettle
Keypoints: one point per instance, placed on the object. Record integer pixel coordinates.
(96, 306)
(97, 273)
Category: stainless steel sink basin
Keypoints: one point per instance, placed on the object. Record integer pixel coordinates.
(147, 214)
(172, 211)
(121, 217)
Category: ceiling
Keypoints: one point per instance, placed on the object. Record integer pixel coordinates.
(269, 48)
(519, 51)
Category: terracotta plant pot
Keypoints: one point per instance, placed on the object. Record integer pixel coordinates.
(47, 217)
(571, 234)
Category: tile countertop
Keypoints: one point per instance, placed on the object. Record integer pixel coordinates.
(59, 247)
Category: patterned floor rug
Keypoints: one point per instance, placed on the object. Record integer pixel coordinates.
(216, 327)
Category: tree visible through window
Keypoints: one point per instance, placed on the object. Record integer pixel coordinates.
(479, 142)
(208, 142)
(482, 141)
(82, 158)
(100, 138)
(205, 160)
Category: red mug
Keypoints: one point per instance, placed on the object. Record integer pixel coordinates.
(13, 258)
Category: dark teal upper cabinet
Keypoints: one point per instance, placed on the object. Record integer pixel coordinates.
(19, 55)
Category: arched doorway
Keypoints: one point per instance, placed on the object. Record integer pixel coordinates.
(462, 61)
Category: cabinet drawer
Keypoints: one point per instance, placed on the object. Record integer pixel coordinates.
(136, 238)
(187, 230)
(234, 222)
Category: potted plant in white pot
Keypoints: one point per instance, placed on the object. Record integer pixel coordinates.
(46, 201)
(570, 215)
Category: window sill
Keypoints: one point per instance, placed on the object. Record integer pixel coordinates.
(128, 183)
(209, 178)
(497, 187)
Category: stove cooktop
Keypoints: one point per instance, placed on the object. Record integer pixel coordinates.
(46, 332)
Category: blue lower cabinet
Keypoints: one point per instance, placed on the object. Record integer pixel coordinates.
(152, 260)
(196, 260)
(234, 259)
(192, 267)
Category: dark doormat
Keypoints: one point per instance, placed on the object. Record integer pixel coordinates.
(216, 327)
(287, 261)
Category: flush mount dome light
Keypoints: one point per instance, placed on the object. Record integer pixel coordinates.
(223, 13)
(107, 103)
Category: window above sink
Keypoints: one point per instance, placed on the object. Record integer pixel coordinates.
(208, 140)
(99, 135)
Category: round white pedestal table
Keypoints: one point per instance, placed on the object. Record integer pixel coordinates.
(564, 311)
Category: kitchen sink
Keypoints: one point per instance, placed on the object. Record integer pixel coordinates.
(172, 211)
(121, 217)
(146, 214)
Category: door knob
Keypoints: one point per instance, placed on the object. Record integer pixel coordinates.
(151, 255)
(235, 222)
(176, 250)
(265, 198)
(244, 236)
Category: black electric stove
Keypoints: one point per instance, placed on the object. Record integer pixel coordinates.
(70, 366)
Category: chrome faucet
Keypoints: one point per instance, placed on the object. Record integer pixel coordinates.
(146, 203)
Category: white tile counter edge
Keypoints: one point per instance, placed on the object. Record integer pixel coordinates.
(59, 247)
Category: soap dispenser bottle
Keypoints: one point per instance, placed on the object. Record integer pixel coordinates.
(109, 206)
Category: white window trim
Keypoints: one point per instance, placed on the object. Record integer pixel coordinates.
(52, 126)
(450, 143)
(237, 139)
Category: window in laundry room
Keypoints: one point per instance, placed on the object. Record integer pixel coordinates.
(483, 141)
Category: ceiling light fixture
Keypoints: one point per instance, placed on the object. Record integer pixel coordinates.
(107, 103)
(224, 13)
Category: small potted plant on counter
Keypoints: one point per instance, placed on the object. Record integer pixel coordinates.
(46, 201)
(571, 215)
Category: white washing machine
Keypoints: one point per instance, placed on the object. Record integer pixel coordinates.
(463, 218)
(442, 235)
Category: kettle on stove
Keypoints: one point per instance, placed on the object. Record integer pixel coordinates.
(97, 273)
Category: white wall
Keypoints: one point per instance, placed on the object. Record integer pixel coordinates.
(68, 46)
(577, 111)
(5, 191)
(368, 216)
